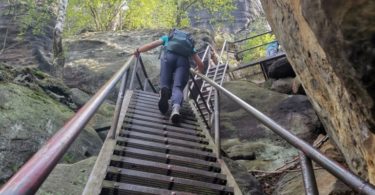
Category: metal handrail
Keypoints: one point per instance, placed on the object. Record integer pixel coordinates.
(251, 48)
(146, 75)
(252, 37)
(331, 166)
(32, 174)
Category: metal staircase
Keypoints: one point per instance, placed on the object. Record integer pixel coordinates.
(145, 154)
(152, 156)
(215, 72)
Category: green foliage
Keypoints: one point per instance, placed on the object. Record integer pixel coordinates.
(101, 15)
(150, 14)
(77, 18)
(258, 52)
(92, 14)
(37, 16)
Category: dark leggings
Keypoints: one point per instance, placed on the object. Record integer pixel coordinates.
(174, 74)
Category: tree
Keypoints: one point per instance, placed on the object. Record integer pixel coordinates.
(110, 14)
(216, 8)
(95, 14)
(58, 51)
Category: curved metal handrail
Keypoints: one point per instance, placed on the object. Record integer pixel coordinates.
(32, 174)
(334, 168)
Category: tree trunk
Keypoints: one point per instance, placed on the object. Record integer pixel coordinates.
(115, 23)
(58, 52)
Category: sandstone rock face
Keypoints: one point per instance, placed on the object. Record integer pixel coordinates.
(246, 12)
(330, 45)
(92, 58)
(27, 120)
(68, 178)
(292, 183)
(252, 144)
(29, 49)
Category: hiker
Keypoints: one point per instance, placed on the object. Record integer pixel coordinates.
(174, 71)
(272, 49)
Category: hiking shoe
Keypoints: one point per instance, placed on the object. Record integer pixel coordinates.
(175, 115)
(163, 101)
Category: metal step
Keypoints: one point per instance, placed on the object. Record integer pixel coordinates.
(161, 139)
(167, 158)
(159, 116)
(152, 99)
(110, 187)
(214, 68)
(160, 120)
(151, 155)
(165, 182)
(166, 148)
(167, 127)
(170, 170)
(153, 111)
(183, 111)
(154, 105)
(156, 131)
(185, 105)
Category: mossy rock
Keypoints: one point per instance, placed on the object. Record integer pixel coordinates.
(68, 178)
(28, 118)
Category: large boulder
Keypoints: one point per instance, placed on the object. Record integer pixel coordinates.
(92, 58)
(291, 182)
(251, 143)
(247, 183)
(330, 45)
(283, 85)
(29, 116)
(68, 178)
(244, 15)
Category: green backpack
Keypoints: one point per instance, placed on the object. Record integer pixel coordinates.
(180, 42)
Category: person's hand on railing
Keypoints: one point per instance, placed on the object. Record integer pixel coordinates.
(196, 70)
(136, 53)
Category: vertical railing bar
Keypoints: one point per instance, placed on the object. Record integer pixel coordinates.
(308, 175)
(331, 166)
(217, 124)
(222, 51)
(120, 98)
(200, 94)
(139, 80)
(133, 74)
(146, 75)
(145, 84)
(205, 53)
(200, 110)
(211, 88)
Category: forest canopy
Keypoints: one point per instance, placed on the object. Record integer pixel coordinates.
(99, 15)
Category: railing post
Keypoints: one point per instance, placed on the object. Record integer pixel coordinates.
(217, 123)
(352, 180)
(145, 85)
(120, 98)
(308, 175)
(222, 51)
(133, 73)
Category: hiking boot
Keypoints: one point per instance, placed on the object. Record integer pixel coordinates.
(163, 101)
(175, 115)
